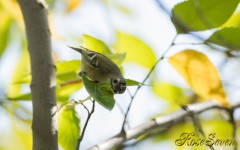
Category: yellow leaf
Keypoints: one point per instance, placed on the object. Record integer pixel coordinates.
(136, 50)
(200, 73)
(12, 9)
(72, 4)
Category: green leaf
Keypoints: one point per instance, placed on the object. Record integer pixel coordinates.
(197, 15)
(68, 66)
(131, 82)
(68, 129)
(67, 79)
(26, 79)
(169, 92)
(5, 25)
(20, 97)
(226, 37)
(95, 44)
(67, 70)
(63, 92)
(102, 93)
(136, 50)
(118, 58)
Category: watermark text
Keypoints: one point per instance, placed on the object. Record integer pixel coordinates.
(191, 139)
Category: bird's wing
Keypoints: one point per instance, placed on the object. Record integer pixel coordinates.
(90, 56)
(99, 61)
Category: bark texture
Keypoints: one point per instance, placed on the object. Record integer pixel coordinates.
(43, 74)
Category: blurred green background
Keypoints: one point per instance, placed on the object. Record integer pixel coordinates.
(134, 34)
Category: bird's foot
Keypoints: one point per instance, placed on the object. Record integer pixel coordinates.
(81, 73)
(96, 81)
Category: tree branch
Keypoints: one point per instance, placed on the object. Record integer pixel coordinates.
(43, 74)
(162, 122)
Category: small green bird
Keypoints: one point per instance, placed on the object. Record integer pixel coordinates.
(101, 69)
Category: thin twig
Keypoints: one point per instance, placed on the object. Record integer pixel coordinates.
(226, 51)
(120, 108)
(233, 122)
(122, 111)
(197, 125)
(145, 79)
(78, 81)
(86, 123)
(71, 101)
(85, 107)
(125, 115)
(236, 106)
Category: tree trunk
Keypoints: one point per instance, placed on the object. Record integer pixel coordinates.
(43, 74)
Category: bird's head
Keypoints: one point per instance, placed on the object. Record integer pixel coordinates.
(118, 85)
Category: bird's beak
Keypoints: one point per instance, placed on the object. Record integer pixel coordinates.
(123, 86)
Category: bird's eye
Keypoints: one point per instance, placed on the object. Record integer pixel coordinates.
(115, 91)
(115, 81)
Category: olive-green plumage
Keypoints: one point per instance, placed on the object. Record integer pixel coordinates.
(101, 69)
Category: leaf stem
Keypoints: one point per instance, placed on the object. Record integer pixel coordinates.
(71, 101)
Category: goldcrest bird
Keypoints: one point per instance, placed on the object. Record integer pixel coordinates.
(101, 69)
